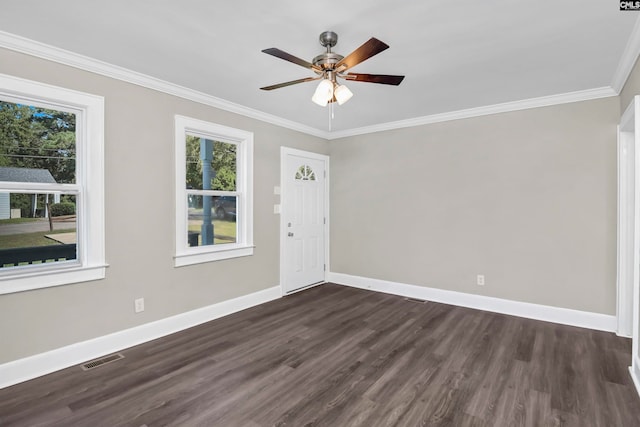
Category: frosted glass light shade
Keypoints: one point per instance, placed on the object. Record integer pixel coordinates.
(343, 94)
(321, 101)
(323, 93)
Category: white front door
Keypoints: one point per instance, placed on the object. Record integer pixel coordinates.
(303, 222)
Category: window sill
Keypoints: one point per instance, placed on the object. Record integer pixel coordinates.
(49, 277)
(185, 259)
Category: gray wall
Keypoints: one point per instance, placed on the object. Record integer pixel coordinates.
(527, 198)
(140, 220)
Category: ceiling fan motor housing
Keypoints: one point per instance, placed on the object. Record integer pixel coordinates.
(327, 61)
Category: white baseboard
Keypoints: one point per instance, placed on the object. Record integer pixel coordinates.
(565, 316)
(45, 363)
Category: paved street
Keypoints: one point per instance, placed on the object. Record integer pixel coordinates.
(42, 224)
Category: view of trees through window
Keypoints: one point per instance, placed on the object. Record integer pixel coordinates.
(219, 225)
(37, 146)
(223, 164)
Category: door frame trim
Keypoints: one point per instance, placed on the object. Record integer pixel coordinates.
(284, 152)
(628, 134)
(628, 227)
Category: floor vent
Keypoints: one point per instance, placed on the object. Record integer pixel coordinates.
(102, 361)
(421, 301)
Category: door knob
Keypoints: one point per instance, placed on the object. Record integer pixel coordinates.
(290, 234)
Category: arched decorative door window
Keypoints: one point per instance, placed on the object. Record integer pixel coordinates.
(305, 173)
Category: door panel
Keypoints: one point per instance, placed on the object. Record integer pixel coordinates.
(303, 210)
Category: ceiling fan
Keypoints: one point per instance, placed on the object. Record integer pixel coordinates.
(330, 66)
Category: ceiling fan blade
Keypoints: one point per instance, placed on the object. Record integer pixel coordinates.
(274, 51)
(293, 82)
(371, 47)
(374, 78)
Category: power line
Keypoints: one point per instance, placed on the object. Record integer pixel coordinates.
(14, 147)
(37, 157)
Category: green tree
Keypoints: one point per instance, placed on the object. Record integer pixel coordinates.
(39, 138)
(223, 164)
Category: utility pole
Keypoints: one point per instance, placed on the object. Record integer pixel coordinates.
(206, 155)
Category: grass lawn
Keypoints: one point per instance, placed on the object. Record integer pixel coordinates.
(223, 231)
(29, 239)
(17, 220)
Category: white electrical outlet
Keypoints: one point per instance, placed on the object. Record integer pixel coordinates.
(139, 305)
(276, 209)
(480, 279)
(276, 190)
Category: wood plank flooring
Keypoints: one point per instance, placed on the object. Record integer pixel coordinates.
(337, 356)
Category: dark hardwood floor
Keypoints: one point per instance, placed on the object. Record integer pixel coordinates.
(337, 356)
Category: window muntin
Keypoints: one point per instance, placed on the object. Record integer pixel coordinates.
(214, 192)
(70, 153)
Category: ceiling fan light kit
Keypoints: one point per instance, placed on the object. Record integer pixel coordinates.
(329, 66)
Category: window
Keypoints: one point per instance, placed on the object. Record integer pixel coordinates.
(214, 201)
(51, 159)
(305, 173)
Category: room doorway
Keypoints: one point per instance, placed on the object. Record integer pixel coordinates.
(304, 219)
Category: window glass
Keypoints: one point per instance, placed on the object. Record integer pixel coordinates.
(222, 227)
(220, 158)
(305, 173)
(37, 144)
(42, 229)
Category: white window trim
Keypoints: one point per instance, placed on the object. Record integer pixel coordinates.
(91, 263)
(185, 255)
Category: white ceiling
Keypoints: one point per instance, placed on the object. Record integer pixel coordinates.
(456, 55)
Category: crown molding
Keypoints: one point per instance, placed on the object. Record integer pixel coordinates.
(65, 57)
(525, 104)
(628, 59)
